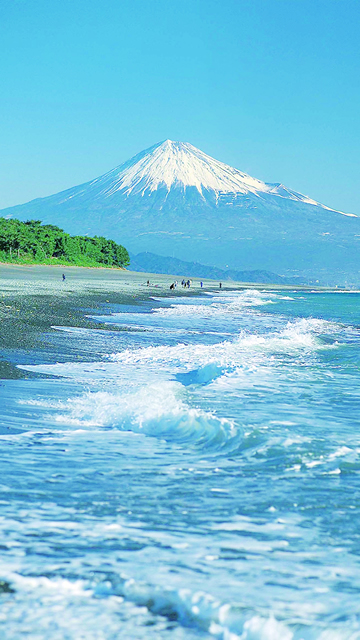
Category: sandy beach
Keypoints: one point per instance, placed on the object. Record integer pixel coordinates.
(35, 298)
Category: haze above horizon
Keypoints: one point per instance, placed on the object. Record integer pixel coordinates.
(268, 87)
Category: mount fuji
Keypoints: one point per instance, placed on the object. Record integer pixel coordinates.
(175, 201)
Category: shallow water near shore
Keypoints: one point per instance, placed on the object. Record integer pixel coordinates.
(193, 476)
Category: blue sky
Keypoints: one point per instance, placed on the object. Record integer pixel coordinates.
(271, 87)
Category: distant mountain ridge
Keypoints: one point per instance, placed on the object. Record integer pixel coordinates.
(174, 200)
(152, 263)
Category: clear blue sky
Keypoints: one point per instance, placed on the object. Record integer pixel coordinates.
(271, 87)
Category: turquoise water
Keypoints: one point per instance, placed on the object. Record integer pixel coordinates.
(195, 476)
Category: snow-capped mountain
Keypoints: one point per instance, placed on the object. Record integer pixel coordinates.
(174, 200)
(178, 164)
(170, 164)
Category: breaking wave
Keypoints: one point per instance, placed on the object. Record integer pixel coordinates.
(154, 410)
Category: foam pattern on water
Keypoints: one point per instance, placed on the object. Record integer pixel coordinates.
(194, 477)
(154, 410)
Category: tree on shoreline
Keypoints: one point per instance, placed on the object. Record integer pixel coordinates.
(47, 243)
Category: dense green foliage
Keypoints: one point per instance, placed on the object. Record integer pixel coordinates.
(46, 244)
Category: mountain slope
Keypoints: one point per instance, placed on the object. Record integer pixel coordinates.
(152, 263)
(174, 200)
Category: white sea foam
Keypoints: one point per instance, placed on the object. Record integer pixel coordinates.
(139, 392)
(228, 302)
(248, 348)
(192, 609)
(156, 410)
(302, 335)
(202, 468)
(61, 586)
(222, 620)
(224, 305)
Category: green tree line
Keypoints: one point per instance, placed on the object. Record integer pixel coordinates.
(34, 242)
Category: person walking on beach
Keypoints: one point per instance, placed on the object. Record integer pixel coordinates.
(220, 285)
(201, 284)
(63, 277)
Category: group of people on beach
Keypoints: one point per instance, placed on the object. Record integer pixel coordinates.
(187, 283)
(184, 283)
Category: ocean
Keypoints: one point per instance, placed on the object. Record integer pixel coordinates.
(194, 475)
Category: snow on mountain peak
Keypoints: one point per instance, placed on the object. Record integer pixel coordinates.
(168, 164)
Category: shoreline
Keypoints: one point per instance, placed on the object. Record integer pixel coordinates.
(34, 298)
